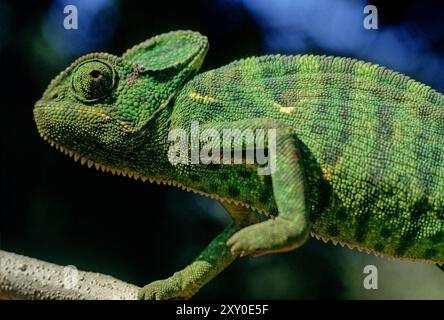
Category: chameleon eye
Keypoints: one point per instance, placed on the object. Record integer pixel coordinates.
(92, 80)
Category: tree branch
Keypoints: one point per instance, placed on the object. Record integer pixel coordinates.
(28, 278)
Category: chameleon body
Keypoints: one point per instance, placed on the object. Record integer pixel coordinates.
(359, 148)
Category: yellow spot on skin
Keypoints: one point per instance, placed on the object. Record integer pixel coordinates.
(104, 116)
(398, 135)
(282, 108)
(204, 99)
(326, 174)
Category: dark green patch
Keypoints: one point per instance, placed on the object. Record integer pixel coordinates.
(223, 175)
(244, 173)
(402, 247)
(318, 128)
(407, 240)
(332, 230)
(362, 223)
(194, 178)
(385, 123)
(213, 187)
(430, 253)
(257, 112)
(385, 233)
(342, 214)
(266, 194)
(379, 247)
(436, 154)
(437, 238)
(324, 200)
(411, 235)
(420, 207)
(362, 226)
(233, 191)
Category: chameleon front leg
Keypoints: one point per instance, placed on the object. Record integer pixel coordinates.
(215, 258)
(291, 227)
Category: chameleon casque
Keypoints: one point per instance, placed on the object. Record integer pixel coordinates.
(359, 148)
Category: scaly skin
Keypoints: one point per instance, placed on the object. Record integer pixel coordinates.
(359, 148)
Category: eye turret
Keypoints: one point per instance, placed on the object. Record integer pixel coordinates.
(92, 80)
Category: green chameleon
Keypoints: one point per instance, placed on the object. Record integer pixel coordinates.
(359, 149)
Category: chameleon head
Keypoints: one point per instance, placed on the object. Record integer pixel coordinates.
(100, 107)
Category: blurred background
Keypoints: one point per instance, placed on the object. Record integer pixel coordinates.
(57, 210)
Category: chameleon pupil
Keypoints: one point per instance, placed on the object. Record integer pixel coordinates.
(95, 73)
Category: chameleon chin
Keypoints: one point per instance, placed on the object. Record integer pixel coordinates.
(359, 148)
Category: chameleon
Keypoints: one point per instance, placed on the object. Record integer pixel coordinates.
(358, 148)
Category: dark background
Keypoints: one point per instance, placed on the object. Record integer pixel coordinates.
(57, 210)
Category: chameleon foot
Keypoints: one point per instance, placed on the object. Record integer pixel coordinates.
(277, 235)
(168, 289)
